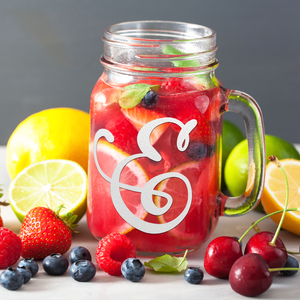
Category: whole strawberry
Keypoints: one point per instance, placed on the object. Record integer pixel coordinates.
(10, 248)
(43, 232)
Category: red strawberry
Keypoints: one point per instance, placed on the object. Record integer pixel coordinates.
(112, 250)
(10, 248)
(139, 116)
(43, 232)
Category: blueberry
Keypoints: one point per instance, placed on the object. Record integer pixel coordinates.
(290, 263)
(11, 279)
(193, 275)
(79, 253)
(211, 149)
(31, 264)
(149, 100)
(55, 264)
(132, 269)
(196, 150)
(83, 270)
(26, 273)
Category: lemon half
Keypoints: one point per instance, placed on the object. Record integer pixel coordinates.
(274, 193)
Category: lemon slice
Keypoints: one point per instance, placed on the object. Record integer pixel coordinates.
(100, 204)
(274, 194)
(50, 183)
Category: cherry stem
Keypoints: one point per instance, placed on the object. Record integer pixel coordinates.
(274, 159)
(283, 269)
(291, 252)
(266, 216)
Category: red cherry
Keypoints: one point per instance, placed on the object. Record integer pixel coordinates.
(249, 275)
(220, 255)
(275, 256)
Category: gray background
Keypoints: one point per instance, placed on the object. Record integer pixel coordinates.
(49, 52)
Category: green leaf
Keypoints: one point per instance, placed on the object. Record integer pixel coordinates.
(72, 219)
(167, 263)
(202, 79)
(169, 50)
(134, 93)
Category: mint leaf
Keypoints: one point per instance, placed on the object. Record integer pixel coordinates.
(169, 50)
(202, 79)
(133, 94)
(167, 263)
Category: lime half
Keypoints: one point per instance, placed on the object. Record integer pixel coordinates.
(50, 183)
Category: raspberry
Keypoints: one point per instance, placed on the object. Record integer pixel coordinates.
(112, 250)
(175, 86)
(10, 248)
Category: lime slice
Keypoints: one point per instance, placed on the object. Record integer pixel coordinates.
(50, 183)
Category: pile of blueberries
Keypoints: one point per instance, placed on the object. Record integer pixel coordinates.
(82, 269)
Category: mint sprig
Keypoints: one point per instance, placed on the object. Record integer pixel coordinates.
(168, 263)
(133, 94)
(202, 79)
(169, 50)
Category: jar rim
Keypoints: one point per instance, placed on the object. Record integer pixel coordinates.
(159, 46)
(135, 32)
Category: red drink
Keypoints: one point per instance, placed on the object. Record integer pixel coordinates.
(179, 99)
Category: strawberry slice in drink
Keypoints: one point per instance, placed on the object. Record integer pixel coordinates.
(139, 116)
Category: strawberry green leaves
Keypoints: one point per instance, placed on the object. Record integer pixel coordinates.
(133, 94)
(167, 263)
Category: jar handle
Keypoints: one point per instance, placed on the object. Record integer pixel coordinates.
(247, 107)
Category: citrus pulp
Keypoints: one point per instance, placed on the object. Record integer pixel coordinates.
(274, 193)
(100, 204)
(49, 183)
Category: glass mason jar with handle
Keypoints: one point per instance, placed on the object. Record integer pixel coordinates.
(155, 139)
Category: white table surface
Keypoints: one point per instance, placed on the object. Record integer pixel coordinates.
(153, 285)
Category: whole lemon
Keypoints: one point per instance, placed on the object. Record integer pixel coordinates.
(236, 167)
(56, 133)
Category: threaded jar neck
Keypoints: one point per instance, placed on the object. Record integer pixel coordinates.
(159, 47)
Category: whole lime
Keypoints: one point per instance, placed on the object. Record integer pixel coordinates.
(231, 136)
(236, 167)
